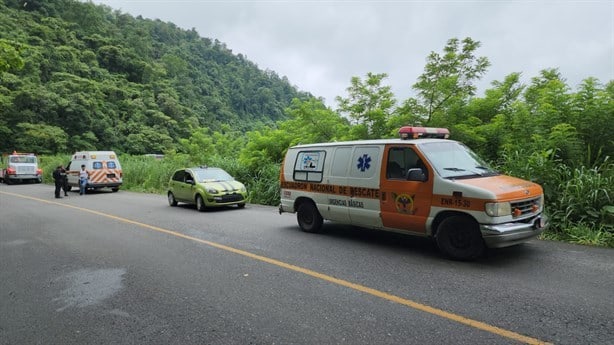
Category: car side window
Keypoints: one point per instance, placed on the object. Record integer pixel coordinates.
(188, 177)
(179, 176)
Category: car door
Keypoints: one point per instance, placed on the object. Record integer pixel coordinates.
(178, 186)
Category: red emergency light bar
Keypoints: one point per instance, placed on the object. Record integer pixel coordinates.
(409, 132)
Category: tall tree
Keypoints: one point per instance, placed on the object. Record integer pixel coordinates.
(449, 78)
(369, 104)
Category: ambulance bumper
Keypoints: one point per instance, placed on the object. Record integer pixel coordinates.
(509, 234)
(104, 185)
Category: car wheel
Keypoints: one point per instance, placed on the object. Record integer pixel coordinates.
(171, 199)
(241, 205)
(8, 181)
(200, 203)
(309, 218)
(114, 190)
(459, 238)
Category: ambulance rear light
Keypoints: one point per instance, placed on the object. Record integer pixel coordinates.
(409, 132)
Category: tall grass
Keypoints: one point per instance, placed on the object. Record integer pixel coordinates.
(579, 200)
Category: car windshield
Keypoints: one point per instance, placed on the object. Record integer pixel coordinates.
(455, 160)
(211, 175)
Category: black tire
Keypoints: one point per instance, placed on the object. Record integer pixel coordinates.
(8, 181)
(171, 199)
(459, 238)
(309, 218)
(200, 203)
(241, 205)
(115, 189)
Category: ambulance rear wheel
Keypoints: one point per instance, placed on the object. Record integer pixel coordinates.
(459, 238)
(309, 218)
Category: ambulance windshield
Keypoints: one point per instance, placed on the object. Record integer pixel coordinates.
(455, 160)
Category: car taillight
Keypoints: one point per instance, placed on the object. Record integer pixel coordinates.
(11, 171)
(39, 171)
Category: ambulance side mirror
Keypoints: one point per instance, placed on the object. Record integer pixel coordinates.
(416, 174)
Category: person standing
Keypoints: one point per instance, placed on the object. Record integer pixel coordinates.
(58, 179)
(65, 181)
(83, 177)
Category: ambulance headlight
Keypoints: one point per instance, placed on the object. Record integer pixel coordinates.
(212, 190)
(498, 209)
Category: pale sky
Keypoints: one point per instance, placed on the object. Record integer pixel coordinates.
(320, 45)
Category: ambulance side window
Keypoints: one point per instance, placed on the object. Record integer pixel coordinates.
(309, 166)
(97, 165)
(400, 160)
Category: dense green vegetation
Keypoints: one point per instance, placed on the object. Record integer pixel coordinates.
(79, 76)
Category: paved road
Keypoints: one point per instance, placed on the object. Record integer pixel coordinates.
(125, 268)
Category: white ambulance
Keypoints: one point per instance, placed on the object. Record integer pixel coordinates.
(103, 167)
(421, 184)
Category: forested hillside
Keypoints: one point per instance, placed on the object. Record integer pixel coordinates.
(87, 77)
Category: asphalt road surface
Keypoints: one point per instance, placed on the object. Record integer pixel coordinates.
(126, 268)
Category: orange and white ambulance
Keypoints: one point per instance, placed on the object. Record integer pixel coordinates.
(421, 184)
(103, 167)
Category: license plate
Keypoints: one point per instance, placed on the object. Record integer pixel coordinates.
(110, 175)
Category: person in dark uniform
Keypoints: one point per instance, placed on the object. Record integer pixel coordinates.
(58, 178)
(65, 183)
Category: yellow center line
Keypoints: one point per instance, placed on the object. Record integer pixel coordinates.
(377, 293)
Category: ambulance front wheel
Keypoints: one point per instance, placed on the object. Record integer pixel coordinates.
(308, 217)
(459, 238)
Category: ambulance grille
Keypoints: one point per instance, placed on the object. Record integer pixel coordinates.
(526, 207)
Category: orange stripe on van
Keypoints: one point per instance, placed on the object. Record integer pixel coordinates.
(350, 191)
(102, 176)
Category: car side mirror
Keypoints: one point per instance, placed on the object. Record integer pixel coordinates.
(416, 174)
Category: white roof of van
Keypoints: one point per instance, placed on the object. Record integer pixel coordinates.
(374, 142)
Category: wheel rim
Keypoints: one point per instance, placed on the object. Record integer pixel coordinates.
(460, 239)
(171, 199)
(307, 218)
(199, 202)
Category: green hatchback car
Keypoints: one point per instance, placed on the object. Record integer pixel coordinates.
(205, 187)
